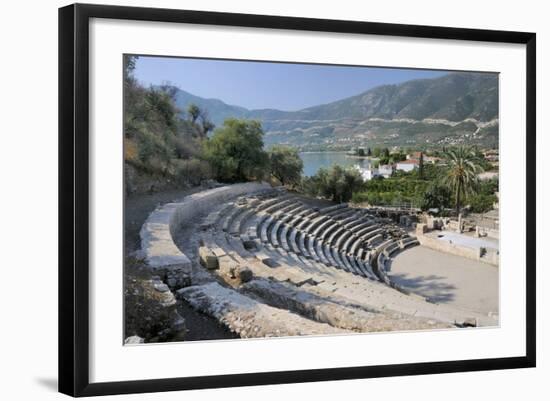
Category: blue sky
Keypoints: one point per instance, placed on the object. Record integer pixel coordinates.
(258, 85)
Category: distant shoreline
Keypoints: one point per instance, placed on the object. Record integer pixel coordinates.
(345, 152)
(325, 151)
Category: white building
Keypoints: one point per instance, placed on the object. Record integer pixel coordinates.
(407, 165)
(369, 173)
(385, 170)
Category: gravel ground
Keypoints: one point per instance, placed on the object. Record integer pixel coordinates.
(136, 210)
(448, 279)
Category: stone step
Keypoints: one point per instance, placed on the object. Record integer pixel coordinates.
(331, 209)
(247, 317)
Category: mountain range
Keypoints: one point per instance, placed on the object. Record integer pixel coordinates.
(451, 109)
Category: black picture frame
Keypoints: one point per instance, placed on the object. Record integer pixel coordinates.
(74, 198)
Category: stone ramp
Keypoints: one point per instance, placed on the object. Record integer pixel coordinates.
(248, 317)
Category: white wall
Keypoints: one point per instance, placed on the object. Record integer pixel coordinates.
(28, 166)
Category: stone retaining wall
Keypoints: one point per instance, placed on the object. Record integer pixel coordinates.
(491, 256)
(160, 251)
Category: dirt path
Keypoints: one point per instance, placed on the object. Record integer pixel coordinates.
(138, 207)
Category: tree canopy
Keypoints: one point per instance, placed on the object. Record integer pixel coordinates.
(194, 112)
(235, 151)
(285, 164)
(461, 173)
(336, 183)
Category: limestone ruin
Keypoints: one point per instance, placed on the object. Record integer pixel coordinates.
(265, 262)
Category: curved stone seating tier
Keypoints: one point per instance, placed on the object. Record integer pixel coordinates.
(365, 222)
(283, 239)
(373, 233)
(328, 255)
(346, 247)
(274, 234)
(294, 204)
(347, 264)
(302, 216)
(329, 228)
(375, 239)
(408, 242)
(243, 220)
(270, 201)
(215, 218)
(342, 238)
(320, 252)
(313, 277)
(331, 209)
(293, 213)
(310, 245)
(157, 233)
(264, 226)
(322, 227)
(286, 230)
(352, 218)
(343, 213)
(293, 241)
(367, 229)
(352, 264)
(355, 223)
(355, 245)
(278, 205)
(381, 268)
(391, 249)
(304, 213)
(315, 223)
(368, 269)
(385, 253)
(335, 235)
(302, 244)
(315, 253)
(307, 220)
(231, 216)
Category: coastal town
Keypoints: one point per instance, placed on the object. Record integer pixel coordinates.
(411, 161)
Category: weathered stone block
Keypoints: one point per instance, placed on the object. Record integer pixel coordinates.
(208, 259)
(421, 228)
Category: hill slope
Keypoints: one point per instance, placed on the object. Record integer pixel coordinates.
(455, 108)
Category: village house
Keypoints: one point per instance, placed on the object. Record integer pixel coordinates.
(407, 165)
(385, 170)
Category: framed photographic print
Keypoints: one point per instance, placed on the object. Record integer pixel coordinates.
(250, 199)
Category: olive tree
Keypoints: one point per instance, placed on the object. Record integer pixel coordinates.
(235, 151)
(285, 164)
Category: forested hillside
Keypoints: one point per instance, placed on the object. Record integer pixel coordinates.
(161, 148)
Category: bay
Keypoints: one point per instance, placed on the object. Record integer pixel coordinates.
(313, 161)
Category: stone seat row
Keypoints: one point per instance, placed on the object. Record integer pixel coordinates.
(387, 251)
(326, 235)
(336, 236)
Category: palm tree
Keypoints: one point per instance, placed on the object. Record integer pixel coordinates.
(462, 169)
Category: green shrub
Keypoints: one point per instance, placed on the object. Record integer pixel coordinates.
(192, 171)
(481, 203)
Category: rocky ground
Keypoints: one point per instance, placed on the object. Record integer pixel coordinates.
(198, 326)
